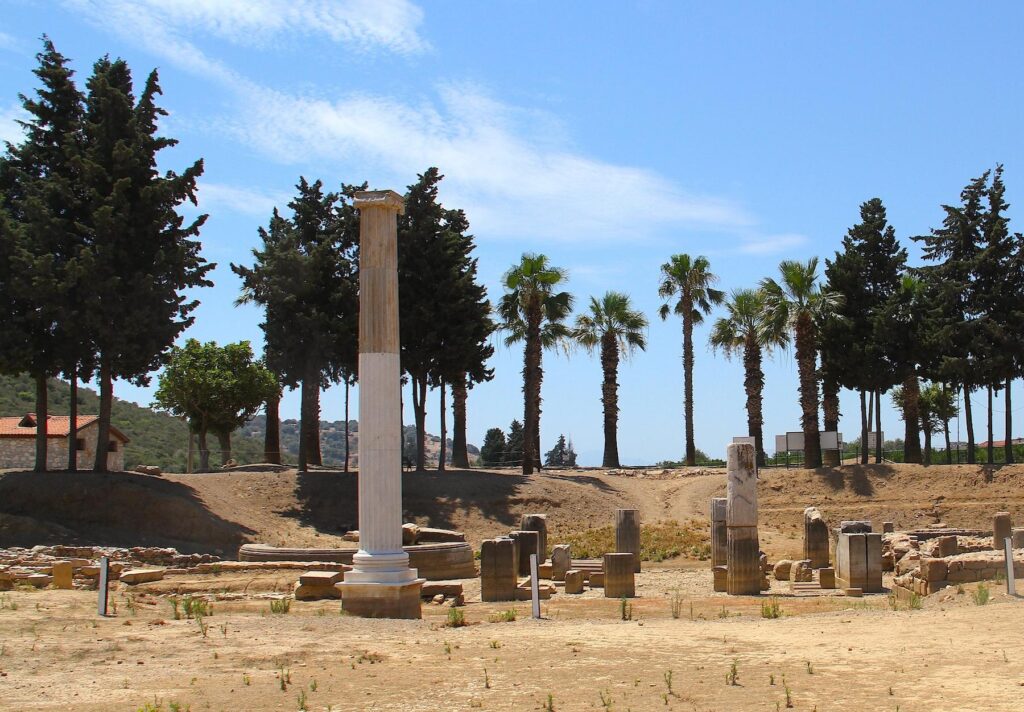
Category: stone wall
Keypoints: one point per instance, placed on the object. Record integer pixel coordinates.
(20, 453)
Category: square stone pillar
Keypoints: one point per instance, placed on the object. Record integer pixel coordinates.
(719, 535)
(743, 575)
(380, 584)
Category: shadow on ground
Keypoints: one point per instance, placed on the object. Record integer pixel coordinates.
(110, 509)
(856, 478)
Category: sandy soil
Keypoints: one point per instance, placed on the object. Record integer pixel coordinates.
(833, 653)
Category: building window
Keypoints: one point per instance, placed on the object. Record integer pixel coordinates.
(80, 444)
(112, 447)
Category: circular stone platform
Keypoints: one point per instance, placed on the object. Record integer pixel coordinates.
(434, 562)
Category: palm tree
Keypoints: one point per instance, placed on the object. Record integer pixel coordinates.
(691, 279)
(614, 325)
(532, 311)
(746, 329)
(797, 304)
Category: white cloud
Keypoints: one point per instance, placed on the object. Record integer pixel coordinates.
(770, 244)
(247, 201)
(363, 24)
(10, 43)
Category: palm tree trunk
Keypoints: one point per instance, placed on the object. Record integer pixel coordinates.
(103, 424)
(73, 420)
(538, 461)
(969, 418)
(691, 448)
(879, 436)
(347, 458)
(911, 419)
(531, 388)
(864, 420)
(990, 449)
(805, 358)
(610, 399)
(272, 434)
(1008, 446)
(42, 409)
(442, 455)
(830, 416)
(460, 451)
(753, 384)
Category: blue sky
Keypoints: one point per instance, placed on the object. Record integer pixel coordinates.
(608, 135)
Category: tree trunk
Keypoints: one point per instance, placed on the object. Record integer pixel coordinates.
(806, 356)
(204, 451)
(73, 420)
(224, 439)
(610, 399)
(460, 452)
(442, 454)
(103, 422)
(879, 436)
(864, 425)
(531, 388)
(691, 448)
(753, 384)
(969, 418)
(272, 434)
(347, 386)
(538, 461)
(419, 410)
(42, 409)
(911, 419)
(927, 445)
(871, 421)
(945, 431)
(1008, 446)
(309, 420)
(990, 449)
(315, 457)
(830, 416)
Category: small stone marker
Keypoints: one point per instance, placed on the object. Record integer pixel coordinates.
(596, 579)
(314, 585)
(744, 559)
(888, 527)
(62, 574)
(945, 546)
(534, 586)
(720, 574)
(498, 570)
(1011, 584)
(1002, 527)
(781, 569)
(537, 523)
(6, 580)
(1017, 535)
(561, 560)
(801, 571)
(627, 534)
(101, 588)
(815, 538)
(827, 578)
(529, 543)
(853, 592)
(573, 581)
(719, 534)
(137, 576)
(619, 575)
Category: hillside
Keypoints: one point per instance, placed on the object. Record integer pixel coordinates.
(162, 440)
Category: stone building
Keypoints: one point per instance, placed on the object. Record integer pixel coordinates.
(18, 442)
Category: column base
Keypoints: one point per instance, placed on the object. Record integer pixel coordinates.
(382, 600)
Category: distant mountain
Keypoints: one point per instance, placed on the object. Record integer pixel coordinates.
(162, 440)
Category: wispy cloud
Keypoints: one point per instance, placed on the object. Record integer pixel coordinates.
(10, 43)
(9, 128)
(247, 201)
(770, 244)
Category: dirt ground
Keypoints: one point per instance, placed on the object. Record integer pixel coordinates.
(830, 652)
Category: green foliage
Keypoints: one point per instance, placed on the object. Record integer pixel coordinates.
(981, 594)
(771, 609)
(280, 605)
(456, 618)
(514, 445)
(561, 455)
(492, 452)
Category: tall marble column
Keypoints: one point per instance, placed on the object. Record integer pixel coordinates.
(744, 561)
(380, 584)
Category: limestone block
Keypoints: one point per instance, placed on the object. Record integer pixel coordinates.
(741, 489)
(573, 581)
(37, 580)
(537, 523)
(410, 534)
(596, 579)
(853, 592)
(561, 560)
(374, 600)
(529, 543)
(316, 592)
(619, 575)
(627, 534)
(827, 578)
(856, 526)
(720, 574)
(544, 570)
(851, 559)
(1017, 537)
(321, 578)
(137, 576)
(781, 570)
(438, 536)
(498, 570)
(945, 546)
(445, 590)
(718, 531)
(1002, 528)
(525, 593)
(62, 572)
(801, 571)
(888, 527)
(910, 561)
(815, 538)
(933, 569)
(152, 470)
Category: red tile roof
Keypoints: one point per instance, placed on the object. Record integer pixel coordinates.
(57, 426)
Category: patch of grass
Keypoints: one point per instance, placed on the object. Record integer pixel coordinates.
(771, 608)
(667, 676)
(301, 699)
(193, 607)
(508, 616)
(606, 700)
(456, 618)
(733, 676)
(549, 706)
(625, 609)
(981, 594)
(676, 604)
(789, 693)
(246, 680)
(280, 605)
(660, 541)
(495, 645)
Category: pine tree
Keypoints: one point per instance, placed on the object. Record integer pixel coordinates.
(514, 445)
(561, 455)
(492, 452)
